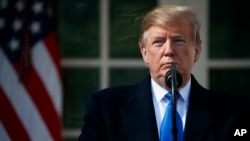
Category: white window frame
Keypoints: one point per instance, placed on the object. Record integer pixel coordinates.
(104, 63)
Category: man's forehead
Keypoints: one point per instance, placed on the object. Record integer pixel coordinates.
(158, 31)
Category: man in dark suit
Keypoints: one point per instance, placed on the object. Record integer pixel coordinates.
(169, 35)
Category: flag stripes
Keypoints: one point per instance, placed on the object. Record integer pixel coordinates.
(51, 45)
(4, 136)
(30, 73)
(43, 63)
(23, 104)
(7, 113)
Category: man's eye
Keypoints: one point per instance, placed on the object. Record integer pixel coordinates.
(180, 42)
(158, 43)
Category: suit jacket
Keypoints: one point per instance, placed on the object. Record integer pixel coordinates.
(126, 113)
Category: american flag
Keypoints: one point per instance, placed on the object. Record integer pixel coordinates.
(30, 75)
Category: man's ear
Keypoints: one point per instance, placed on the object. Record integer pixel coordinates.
(144, 52)
(197, 53)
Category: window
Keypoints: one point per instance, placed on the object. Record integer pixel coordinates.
(99, 42)
(229, 47)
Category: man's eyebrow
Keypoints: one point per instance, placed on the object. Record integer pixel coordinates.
(177, 36)
(159, 36)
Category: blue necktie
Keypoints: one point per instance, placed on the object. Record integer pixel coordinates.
(166, 126)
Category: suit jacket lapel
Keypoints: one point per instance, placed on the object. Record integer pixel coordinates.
(199, 113)
(140, 124)
(138, 114)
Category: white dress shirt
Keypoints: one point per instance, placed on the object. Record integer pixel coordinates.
(161, 102)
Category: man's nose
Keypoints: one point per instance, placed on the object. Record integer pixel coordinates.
(169, 48)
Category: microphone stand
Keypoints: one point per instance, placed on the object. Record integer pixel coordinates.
(174, 80)
(174, 102)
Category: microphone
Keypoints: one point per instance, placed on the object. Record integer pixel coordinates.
(173, 78)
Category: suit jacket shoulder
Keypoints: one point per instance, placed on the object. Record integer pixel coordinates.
(214, 115)
(121, 113)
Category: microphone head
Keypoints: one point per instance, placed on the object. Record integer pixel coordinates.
(168, 79)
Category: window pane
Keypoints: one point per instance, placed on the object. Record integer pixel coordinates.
(229, 32)
(78, 28)
(126, 16)
(78, 84)
(232, 80)
(124, 76)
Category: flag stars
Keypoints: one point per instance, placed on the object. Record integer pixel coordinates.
(37, 7)
(35, 27)
(3, 4)
(14, 44)
(17, 25)
(19, 6)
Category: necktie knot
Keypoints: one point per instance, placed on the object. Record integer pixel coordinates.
(169, 96)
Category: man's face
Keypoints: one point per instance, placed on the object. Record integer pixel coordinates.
(165, 45)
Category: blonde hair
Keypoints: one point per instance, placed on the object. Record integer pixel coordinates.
(162, 15)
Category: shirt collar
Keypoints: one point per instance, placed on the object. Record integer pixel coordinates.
(159, 92)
